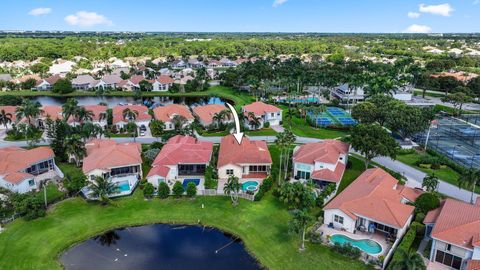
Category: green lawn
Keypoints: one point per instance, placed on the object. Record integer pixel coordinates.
(446, 174)
(259, 132)
(37, 244)
(240, 98)
(303, 129)
(53, 194)
(356, 168)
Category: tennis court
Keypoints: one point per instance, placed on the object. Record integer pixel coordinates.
(332, 116)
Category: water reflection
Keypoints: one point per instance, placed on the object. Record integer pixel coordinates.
(160, 246)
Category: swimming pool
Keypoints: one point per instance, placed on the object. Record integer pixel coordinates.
(186, 181)
(250, 186)
(123, 186)
(366, 245)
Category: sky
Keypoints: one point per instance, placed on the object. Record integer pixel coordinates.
(346, 16)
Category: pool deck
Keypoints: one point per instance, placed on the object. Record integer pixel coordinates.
(377, 237)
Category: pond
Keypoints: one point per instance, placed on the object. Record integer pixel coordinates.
(160, 246)
(112, 101)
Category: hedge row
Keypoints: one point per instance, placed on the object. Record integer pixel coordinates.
(264, 187)
(407, 241)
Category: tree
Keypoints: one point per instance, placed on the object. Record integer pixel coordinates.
(63, 86)
(5, 119)
(74, 181)
(178, 189)
(179, 121)
(383, 105)
(409, 260)
(299, 223)
(232, 188)
(102, 189)
(430, 182)
(191, 190)
(57, 132)
(148, 190)
(253, 121)
(28, 84)
(408, 120)
(145, 85)
(76, 148)
(28, 109)
(157, 127)
(296, 195)
(163, 190)
(280, 142)
(365, 113)
(69, 108)
(457, 99)
(28, 205)
(373, 141)
(83, 115)
(427, 201)
(129, 114)
(132, 128)
(468, 180)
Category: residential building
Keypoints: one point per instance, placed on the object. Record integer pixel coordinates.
(249, 160)
(61, 67)
(454, 228)
(206, 113)
(47, 83)
(24, 170)
(373, 203)
(53, 112)
(132, 83)
(142, 118)
(265, 113)
(182, 158)
(83, 82)
(5, 77)
(119, 163)
(167, 113)
(109, 81)
(347, 94)
(162, 83)
(99, 115)
(322, 162)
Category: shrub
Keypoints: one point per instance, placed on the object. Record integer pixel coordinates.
(420, 217)
(148, 190)
(150, 155)
(407, 242)
(28, 205)
(210, 181)
(191, 190)
(178, 189)
(163, 190)
(264, 187)
(427, 201)
(266, 125)
(156, 145)
(347, 249)
(63, 86)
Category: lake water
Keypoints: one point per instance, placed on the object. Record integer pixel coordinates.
(112, 101)
(160, 246)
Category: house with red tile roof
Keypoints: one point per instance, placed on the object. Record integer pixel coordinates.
(205, 114)
(322, 162)
(264, 112)
(168, 112)
(142, 119)
(132, 83)
(9, 110)
(374, 203)
(24, 170)
(99, 115)
(454, 228)
(182, 158)
(249, 161)
(120, 163)
(47, 83)
(162, 83)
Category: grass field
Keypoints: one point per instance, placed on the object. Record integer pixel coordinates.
(37, 244)
(356, 168)
(302, 129)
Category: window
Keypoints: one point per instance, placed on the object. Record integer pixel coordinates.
(272, 114)
(31, 182)
(338, 219)
(255, 168)
(448, 259)
(303, 175)
(229, 171)
(449, 247)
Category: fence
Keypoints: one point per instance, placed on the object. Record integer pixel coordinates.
(390, 253)
(215, 192)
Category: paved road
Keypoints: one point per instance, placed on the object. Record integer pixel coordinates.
(415, 178)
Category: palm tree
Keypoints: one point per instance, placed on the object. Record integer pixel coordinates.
(299, 223)
(28, 109)
(69, 108)
(132, 128)
(76, 148)
(253, 121)
(179, 121)
(129, 114)
(289, 140)
(5, 118)
(430, 182)
(468, 180)
(232, 188)
(280, 142)
(217, 118)
(102, 189)
(408, 261)
(83, 115)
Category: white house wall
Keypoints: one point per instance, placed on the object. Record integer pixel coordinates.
(348, 222)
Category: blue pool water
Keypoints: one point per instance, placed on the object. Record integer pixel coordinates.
(250, 185)
(186, 181)
(366, 245)
(124, 186)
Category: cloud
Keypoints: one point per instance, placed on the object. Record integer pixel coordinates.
(476, 2)
(413, 15)
(416, 28)
(87, 19)
(39, 11)
(442, 9)
(277, 3)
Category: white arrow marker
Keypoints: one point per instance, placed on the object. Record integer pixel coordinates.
(238, 135)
